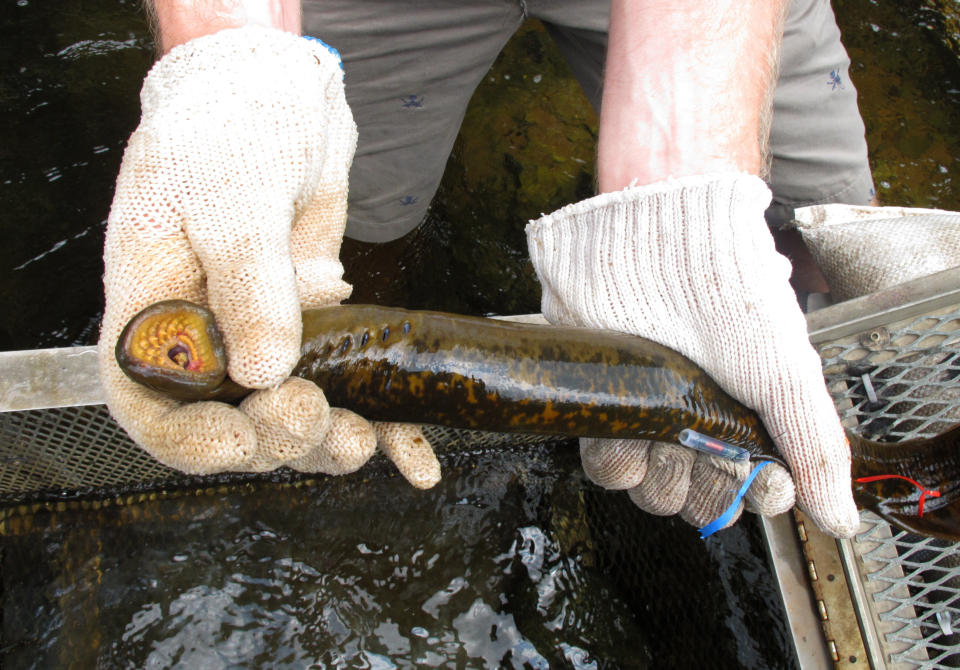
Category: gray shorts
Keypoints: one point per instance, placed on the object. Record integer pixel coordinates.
(411, 68)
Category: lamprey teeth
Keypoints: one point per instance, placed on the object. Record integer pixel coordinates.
(175, 344)
(171, 342)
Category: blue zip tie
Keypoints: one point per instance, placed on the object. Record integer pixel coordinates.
(728, 513)
(325, 46)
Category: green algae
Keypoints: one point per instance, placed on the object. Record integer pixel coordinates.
(905, 68)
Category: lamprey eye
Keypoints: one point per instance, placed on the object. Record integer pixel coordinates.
(173, 343)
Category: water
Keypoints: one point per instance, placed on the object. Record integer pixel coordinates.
(68, 100)
(512, 561)
(906, 70)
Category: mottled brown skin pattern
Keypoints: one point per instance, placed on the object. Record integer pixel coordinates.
(469, 372)
(391, 364)
(933, 462)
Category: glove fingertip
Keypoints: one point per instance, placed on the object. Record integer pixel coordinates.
(839, 518)
(257, 308)
(772, 492)
(824, 488)
(263, 357)
(614, 464)
(348, 444)
(654, 502)
(291, 420)
(666, 485)
(699, 515)
(411, 453)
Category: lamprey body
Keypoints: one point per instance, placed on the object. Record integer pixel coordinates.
(390, 364)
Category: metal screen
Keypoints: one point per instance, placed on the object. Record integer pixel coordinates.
(69, 449)
(895, 382)
(55, 454)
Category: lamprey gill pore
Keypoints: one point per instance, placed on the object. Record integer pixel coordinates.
(391, 364)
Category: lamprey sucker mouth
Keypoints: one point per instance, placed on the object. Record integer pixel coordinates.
(174, 345)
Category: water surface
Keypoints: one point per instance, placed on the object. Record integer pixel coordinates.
(513, 561)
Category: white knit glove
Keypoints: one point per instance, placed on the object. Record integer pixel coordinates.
(690, 264)
(866, 249)
(233, 193)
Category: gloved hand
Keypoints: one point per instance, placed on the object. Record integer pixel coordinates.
(232, 193)
(690, 264)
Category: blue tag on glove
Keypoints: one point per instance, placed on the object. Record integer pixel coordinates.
(724, 518)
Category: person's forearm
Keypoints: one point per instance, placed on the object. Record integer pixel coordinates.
(179, 21)
(687, 89)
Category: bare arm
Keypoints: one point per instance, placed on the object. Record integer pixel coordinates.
(687, 88)
(179, 21)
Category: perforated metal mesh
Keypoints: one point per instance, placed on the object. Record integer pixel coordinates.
(898, 382)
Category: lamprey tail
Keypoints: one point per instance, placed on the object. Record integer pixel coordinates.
(912, 485)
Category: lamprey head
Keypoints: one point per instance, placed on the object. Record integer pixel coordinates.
(174, 347)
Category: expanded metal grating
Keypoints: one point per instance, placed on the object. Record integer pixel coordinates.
(893, 383)
(900, 381)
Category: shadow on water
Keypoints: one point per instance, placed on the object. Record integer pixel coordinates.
(513, 560)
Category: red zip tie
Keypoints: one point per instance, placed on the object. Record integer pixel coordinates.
(926, 492)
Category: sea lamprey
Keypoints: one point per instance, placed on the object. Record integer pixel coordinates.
(391, 364)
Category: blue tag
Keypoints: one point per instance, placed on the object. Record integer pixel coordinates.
(724, 518)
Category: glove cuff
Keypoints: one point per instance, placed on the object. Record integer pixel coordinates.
(596, 258)
(248, 63)
(717, 189)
